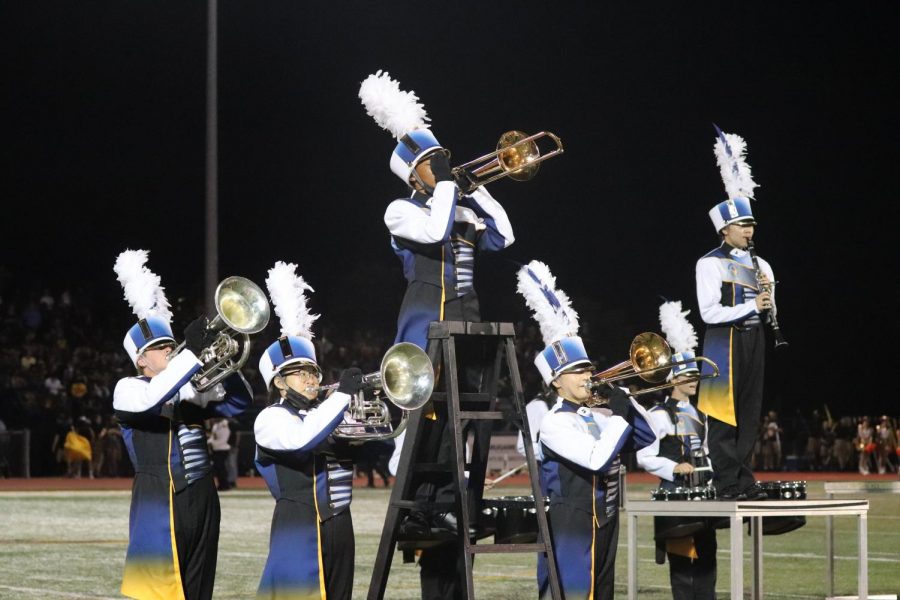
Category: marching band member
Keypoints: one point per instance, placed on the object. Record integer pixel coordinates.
(436, 232)
(580, 445)
(174, 524)
(308, 472)
(689, 543)
(730, 300)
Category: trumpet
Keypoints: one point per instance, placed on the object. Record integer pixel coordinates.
(406, 377)
(651, 360)
(517, 156)
(242, 309)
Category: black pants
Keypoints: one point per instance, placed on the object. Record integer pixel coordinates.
(731, 448)
(572, 537)
(695, 579)
(220, 467)
(442, 568)
(338, 555)
(197, 516)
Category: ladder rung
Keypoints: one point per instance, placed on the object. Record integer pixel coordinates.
(432, 468)
(482, 415)
(502, 548)
(464, 397)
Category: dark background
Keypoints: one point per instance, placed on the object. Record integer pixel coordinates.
(104, 128)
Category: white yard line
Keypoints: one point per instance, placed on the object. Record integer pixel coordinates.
(50, 593)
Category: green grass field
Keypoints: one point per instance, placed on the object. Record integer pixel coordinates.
(72, 545)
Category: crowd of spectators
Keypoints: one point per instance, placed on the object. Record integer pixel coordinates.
(61, 356)
(819, 442)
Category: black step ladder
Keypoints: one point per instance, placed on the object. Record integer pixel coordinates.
(462, 411)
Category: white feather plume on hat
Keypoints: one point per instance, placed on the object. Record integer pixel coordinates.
(287, 290)
(679, 332)
(730, 150)
(393, 109)
(551, 307)
(142, 288)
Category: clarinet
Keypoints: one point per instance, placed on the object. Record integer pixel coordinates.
(768, 316)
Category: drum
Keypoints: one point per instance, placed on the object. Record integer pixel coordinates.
(784, 490)
(515, 519)
(676, 527)
(702, 493)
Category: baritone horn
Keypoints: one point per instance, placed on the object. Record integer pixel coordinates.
(517, 156)
(406, 377)
(242, 309)
(650, 358)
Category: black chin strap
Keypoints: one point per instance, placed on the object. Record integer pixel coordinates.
(299, 401)
(427, 189)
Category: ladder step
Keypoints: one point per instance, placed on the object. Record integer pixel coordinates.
(482, 415)
(504, 548)
(464, 397)
(433, 468)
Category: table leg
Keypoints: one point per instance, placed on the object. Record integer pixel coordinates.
(829, 554)
(863, 576)
(632, 557)
(756, 529)
(737, 558)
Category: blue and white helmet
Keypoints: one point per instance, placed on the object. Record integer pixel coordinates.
(566, 354)
(557, 320)
(152, 331)
(147, 299)
(680, 335)
(400, 113)
(730, 151)
(294, 348)
(411, 150)
(733, 210)
(287, 353)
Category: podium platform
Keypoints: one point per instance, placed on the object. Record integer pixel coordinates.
(755, 511)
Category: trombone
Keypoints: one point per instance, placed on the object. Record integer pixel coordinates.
(517, 156)
(651, 360)
(406, 377)
(242, 309)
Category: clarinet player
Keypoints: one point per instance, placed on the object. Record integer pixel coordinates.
(732, 296)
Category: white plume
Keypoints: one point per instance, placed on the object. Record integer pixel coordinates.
(286, 289)
(730, 150)
(393, 109)
(143, 291)
(551, 307)
(679, 332)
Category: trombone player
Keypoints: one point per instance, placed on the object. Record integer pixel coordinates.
(580, 446)
(310, 475)
(437, 231)
(174, 524)
(440, 226)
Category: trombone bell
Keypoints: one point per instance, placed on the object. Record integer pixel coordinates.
(517, 156)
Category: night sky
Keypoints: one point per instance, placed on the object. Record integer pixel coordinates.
(103, 110)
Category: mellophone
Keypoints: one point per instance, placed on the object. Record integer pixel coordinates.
(515, 518)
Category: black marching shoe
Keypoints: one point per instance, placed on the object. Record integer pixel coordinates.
(755, 492)
(731, 495)
(414, 526)
(446, 521)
